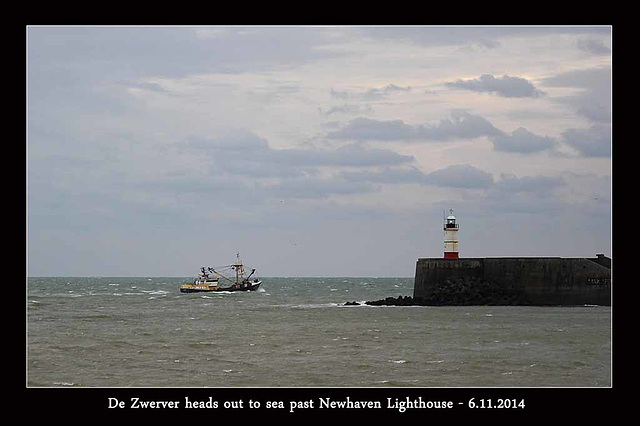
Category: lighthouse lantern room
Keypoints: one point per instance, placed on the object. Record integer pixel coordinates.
(451, 228)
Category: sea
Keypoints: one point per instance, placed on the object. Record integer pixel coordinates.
(139, 332)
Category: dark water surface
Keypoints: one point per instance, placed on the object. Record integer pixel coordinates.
(295, 332)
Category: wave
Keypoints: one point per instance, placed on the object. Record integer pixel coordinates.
(313, 305)
(307, 305)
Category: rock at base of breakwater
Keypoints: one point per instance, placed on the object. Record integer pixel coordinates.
(457, 292)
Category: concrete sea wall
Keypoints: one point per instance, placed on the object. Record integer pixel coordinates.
(514, 280)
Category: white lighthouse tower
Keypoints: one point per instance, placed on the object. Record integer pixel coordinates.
(451, 228)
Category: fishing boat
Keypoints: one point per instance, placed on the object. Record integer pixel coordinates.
(209, 279)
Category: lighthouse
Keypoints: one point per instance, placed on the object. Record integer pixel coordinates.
(451, 228)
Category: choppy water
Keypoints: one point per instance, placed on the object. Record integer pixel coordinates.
(295, 332)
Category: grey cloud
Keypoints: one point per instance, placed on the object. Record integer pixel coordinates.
(454, 176)
(104, 173)
(238, 140)
(389, 176)
(488, 44)
(526, 194)
(339, 94)
(589, 78)
(522, 141)
(242, 193)
(247, 147)
(593, 46)
(488, 36)
(220, 185)
(376, 93)
(460, 176)
(542, 185)
(152, 87)
(312, 188)
(536, 194)
(68, 64)
(461, 125)
(594, 102)
(370, 94)
(306, 186)
(247, 159)
(271, 94)
(505, 86)
(592, 142)
(346, 109)
(368, 129)
(174, 51)
(352, 155)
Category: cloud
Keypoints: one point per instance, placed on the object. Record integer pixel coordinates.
(460, 176)
(176, 51)
(594, 100)
(522, 141)
(462, 125)
(409, 175)
(529, 195)
(373, 94)
(236, 140)
(593, 46)
(346, 109)
(489, 37)
(505, 86)
(509, 191)
(114, 173)
(592, 142)
(463, 176)
(351, 156)
(247, 160)
(150, 86)
(368, 129)
(245, 146)
(313, 187)
(542, 185)
(380, 93)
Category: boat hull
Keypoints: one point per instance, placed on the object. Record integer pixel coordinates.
(240, 287)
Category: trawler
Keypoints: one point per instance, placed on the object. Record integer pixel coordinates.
(207, 282)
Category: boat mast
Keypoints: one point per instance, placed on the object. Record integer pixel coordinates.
(238, 268)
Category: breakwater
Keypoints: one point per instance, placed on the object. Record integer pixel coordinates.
(539, 281)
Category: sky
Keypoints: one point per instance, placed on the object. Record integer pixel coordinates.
(313, 150)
